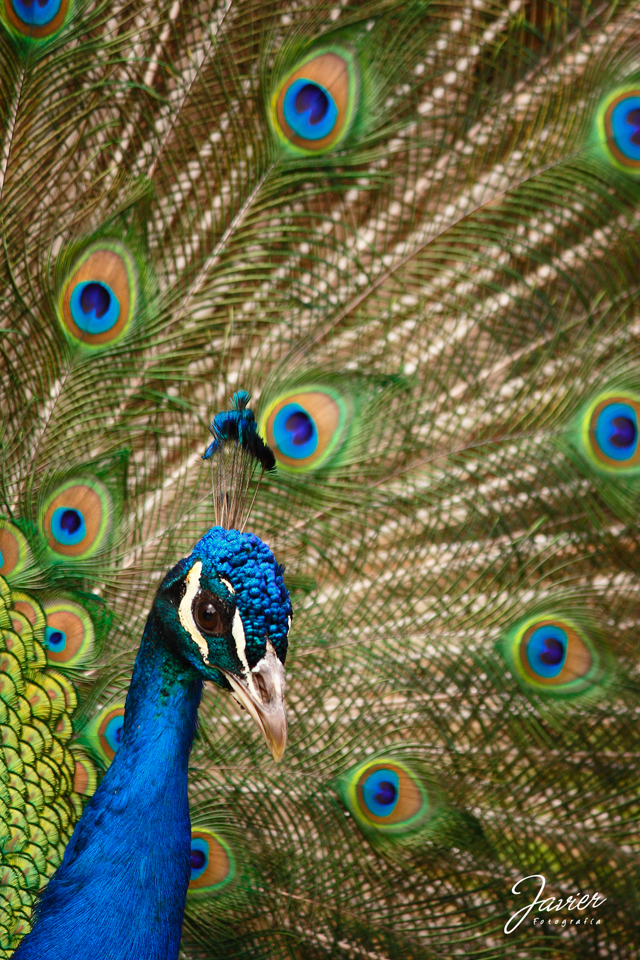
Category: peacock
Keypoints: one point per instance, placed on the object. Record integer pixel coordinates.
(319, 352)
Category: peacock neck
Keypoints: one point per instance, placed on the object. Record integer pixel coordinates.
(128, 857)
(160, 713)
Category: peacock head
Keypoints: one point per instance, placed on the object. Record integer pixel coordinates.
(229, 610)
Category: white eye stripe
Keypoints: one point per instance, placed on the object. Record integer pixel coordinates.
(237, 630)
(192, 584)
(227, 585)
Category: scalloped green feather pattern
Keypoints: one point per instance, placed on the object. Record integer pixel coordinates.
(44, 777)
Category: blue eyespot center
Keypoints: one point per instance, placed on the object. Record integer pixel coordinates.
(36, 13)
(300, 426)
(625, 432)
(309, 109)
(96, 297)
(386, 793)
(547, 650)
(94, 307)
(55, 640)
(199, 857)
(616, 431)
(295, 432)
(633, 119)
(380, 792)
(553, 652)
(312, 100)
(625, 126)
(68, 526)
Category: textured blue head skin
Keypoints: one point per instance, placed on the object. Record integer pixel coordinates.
(260, 594)
(120, 891)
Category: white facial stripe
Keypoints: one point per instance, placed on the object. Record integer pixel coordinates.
(227, 585)
(237, 629)
(185, 614)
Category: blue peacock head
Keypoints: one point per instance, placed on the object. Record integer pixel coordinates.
(229, 609)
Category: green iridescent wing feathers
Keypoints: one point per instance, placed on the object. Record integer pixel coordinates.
(411, 232)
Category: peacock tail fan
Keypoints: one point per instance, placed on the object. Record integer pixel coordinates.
(410, 231)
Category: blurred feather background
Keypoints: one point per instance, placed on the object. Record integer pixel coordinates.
(410, 230)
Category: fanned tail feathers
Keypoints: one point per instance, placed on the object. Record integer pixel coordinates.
(410, 231)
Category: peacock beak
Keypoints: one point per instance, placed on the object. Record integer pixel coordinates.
(262, 693)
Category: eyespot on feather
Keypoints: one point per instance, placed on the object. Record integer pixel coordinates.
(304, 428)
(104, 732)
(75, 518)
(212, 863)
(36, 20)
(553, 655)
(110, 731)
(15, 554)
(69, 634)
(98, 301)
(386, 796)
(618, 124)
(313, 107)
(609, 433)
(101, 736)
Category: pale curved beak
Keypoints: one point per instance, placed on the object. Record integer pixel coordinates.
(262, 694)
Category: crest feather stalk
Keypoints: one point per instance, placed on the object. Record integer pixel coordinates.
(238, 450)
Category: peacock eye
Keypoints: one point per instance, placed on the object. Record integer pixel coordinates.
(75, 518)
(386, 797)
(207, 615)
(69, 635)
(555, 656)
(613, 433)
(99, 301)
(304, 427)
(619, 119)
(212, 862)
(313, 107)
(36, 20)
